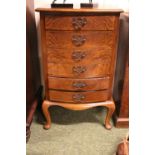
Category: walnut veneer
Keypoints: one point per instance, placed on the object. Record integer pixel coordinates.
(79, 48)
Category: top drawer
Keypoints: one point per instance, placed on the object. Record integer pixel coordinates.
(79, 22)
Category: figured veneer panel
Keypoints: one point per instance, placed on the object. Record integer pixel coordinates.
(79, 22)
(80, 70)
(81, 39)
(79, 50)
(78, 97)
(76, 55)
(78, 84)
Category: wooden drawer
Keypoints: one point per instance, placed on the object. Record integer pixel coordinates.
(82, 39)
(78, 97)
(80, 71)
(78, 84)
(80, 22)
(72, 56)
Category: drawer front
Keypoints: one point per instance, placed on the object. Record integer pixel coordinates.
(78, 84)
(82, 39)
(80, 22)
(78, 97)
(80, 71)
(72, 56)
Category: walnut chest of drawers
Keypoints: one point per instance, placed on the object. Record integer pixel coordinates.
(79, 48)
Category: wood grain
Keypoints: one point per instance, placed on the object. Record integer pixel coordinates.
(79, 49)
(78, 84)
(92, 22)
(85, 97)
(73, 56)
(108, 104)
(94, 11)
(90, 70)
(93, 39)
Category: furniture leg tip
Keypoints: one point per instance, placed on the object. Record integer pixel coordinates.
(108, 126)
(46, 127)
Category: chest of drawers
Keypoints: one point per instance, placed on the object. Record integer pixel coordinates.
(79, 52)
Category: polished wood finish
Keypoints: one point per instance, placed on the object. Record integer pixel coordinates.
(33, 82)
(76, 55)
(80, 71)
(79, 23)
(78, 84)
(94, 11)
(108, 104)
(79, 58)
(78, 97)
(82, 39)
(121, 83)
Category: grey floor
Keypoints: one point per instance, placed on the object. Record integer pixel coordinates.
(74, 133)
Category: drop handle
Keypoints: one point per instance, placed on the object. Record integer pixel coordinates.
(78, 55)
(78, 97)
(79, 84)
(79, 22)
(78, 40)
(79, 69)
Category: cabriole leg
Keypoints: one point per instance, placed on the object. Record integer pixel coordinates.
(45, 109)
(111, 109)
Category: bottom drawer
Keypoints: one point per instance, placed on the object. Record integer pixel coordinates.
(78, 97)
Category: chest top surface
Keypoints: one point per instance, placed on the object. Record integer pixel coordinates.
(76, 11)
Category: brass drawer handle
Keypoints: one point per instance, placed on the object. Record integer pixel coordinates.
(78, 97)
(79, 22)
(79, 84)
(78, 55)
(78, 40)
(79, 69)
